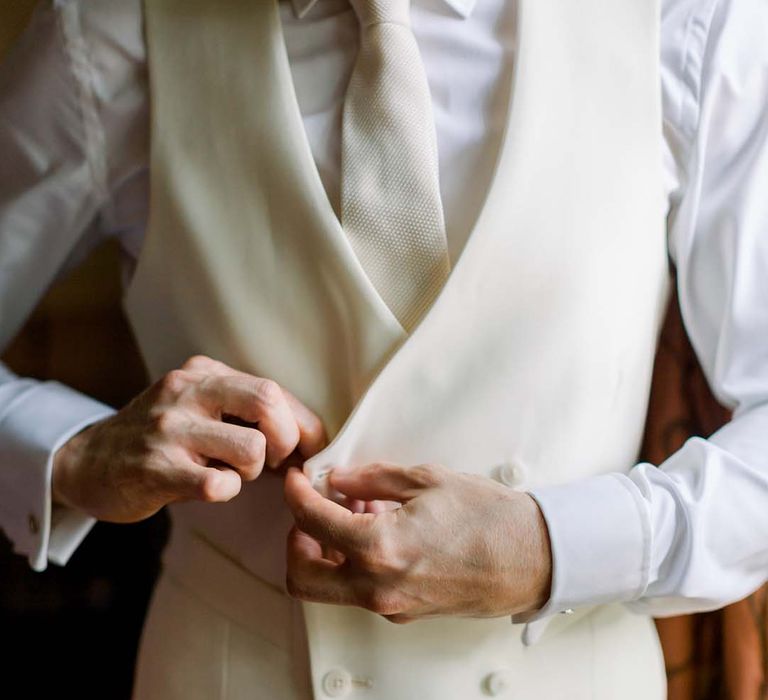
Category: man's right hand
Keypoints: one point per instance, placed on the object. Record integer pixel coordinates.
(172, 443)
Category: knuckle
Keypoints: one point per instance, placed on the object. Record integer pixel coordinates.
(254, 446)
(269, 393)
(281, 447)
(251, 473)
(378, 470)
(426, 475)
(210, 489)
(315, 429)
(173, 383)
(197, 363)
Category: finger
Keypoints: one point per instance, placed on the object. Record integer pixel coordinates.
(312, 437)
(311, 577)
(383, 482)
(187, 481)
(356, 505)
(400, 619)
(326, 521)
(242, 448)
(307, 419)
(379, 507)
(257, 401)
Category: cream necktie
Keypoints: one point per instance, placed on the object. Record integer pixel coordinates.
(390, 196)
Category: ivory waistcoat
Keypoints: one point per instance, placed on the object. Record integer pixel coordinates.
(537, 352)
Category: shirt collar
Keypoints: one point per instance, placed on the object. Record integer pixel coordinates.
(461, 7)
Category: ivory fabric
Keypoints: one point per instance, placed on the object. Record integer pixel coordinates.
(216, 633)
(547, 383)
(90, 117)
(390, 196)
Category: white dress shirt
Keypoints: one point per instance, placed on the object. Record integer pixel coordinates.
(74, 170)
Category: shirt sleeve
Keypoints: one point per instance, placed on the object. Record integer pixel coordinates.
(692, 533)
(52, 190)
(36, 418)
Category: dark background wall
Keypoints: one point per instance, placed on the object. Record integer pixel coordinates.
(73, 631)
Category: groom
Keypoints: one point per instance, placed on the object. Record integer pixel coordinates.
(476, 339)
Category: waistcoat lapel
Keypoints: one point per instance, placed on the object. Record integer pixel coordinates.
(240, 226)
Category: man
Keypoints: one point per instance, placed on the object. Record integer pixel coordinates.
(436, 235)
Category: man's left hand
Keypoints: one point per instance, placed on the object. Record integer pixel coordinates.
(460, 545)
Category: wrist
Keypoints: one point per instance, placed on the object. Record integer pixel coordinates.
(535, 558)
(64, 470)
(543, 583)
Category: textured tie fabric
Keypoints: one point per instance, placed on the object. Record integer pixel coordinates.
(390, 195)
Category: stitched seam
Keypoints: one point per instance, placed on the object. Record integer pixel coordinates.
(647, 532)
(84, 74)
(384, 22)
(694, 58)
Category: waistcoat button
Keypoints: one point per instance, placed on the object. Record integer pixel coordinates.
(497, 682)
(337, 683)
(512, 474)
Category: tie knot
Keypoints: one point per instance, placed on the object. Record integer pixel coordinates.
(377, 11)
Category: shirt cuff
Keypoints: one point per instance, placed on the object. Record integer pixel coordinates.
(600, 536)
(39, 421)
